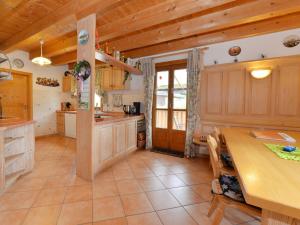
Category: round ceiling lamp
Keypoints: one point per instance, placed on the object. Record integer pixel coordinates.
(42, 61)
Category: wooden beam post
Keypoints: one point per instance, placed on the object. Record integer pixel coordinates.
(85, 117)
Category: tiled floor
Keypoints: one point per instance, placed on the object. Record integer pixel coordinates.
(144, 189)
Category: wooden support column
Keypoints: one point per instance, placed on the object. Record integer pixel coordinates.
(85, 117)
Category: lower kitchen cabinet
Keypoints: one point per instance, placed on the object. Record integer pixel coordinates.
(112, 141)
(66, 124)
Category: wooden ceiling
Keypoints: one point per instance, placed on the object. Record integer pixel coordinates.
(139, 27)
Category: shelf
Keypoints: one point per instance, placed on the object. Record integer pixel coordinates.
(11, 159)
(103, 57)
(10, 140)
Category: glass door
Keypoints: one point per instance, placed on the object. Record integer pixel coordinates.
(169, 108)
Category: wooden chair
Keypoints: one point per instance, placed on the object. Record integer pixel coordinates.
(222, 151)
(220, 200)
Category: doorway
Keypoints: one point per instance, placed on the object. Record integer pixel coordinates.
(16, 96)
(169, 106)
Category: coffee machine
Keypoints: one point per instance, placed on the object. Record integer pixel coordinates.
(137, 106)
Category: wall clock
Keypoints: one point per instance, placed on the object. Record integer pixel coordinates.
(18, 63)
(83, 37)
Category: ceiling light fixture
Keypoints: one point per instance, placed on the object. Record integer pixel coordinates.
(42, 61)
(260, 73)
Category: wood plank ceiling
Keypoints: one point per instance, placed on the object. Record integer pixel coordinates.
(138, 27)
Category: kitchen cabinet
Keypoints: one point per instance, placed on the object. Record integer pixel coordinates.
(111, 78)
(69, 84)
(113, 141)
(120, 137)
(60, 123)
(131, 128)
(66, 123)
(17, 145)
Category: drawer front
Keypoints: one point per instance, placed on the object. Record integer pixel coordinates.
(15, 132)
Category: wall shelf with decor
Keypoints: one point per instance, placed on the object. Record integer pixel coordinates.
(103, 57)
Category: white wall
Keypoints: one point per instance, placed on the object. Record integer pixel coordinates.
(46, 100)
(134, 93)
(270, 45)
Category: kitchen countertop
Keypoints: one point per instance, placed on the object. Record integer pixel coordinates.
(116, 117)
(13, 122)
(67, 111)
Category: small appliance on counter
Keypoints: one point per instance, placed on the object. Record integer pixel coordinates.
(129, 109)
(137, 106)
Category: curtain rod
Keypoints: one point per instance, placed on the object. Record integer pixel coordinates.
(157, 56)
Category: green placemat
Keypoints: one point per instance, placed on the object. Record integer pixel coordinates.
(278, 150)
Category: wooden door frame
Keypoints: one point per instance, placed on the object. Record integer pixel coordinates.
(170, 66)
(29, 88)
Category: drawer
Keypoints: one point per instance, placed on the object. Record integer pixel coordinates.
(15, 132)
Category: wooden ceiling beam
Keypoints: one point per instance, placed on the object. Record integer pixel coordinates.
(253, 29)
(236, 16)
(74, 9)
(166, 11)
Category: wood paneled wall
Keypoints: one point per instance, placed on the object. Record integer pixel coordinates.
(230, 96)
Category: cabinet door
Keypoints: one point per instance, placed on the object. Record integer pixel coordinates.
(118, 79)
(105, 143)
(70, 125)
(60, 123)
(67, 83)
(120, 138)
(106, 78)
(131, 135)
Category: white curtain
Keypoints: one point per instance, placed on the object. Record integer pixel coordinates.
(148, 69)
(193, 87)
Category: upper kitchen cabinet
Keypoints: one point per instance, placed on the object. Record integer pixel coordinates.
(111, 78)
(69, 84)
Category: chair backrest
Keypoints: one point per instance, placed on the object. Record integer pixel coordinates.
(217, 135)
(214, 159)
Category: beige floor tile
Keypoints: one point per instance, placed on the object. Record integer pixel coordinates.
(50, 197)
(28, 184)
(18, 200)
(118, 221)
(78, 193)
(162, 200)
(136, 204)
(171, 181)
(162, 170)
(76, 213)
(15, 217)
(47, 215)
(151, 184)
(204, 190)
(128, 186)
(145, 219)
(105, 189)
(195, 177)
(176, 216)
(122, 174)
(107, 208)
(186, 196)
(199, 213)
(142, 173)
(57, 181)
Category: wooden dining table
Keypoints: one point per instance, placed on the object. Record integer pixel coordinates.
(267, 181)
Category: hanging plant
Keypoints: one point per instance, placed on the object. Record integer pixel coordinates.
(82, 70)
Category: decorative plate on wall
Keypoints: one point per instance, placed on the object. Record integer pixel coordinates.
(234, 51)
(291, 41)
(18, 63)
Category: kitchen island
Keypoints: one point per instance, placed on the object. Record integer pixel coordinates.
(17, 144)
(114, 136)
